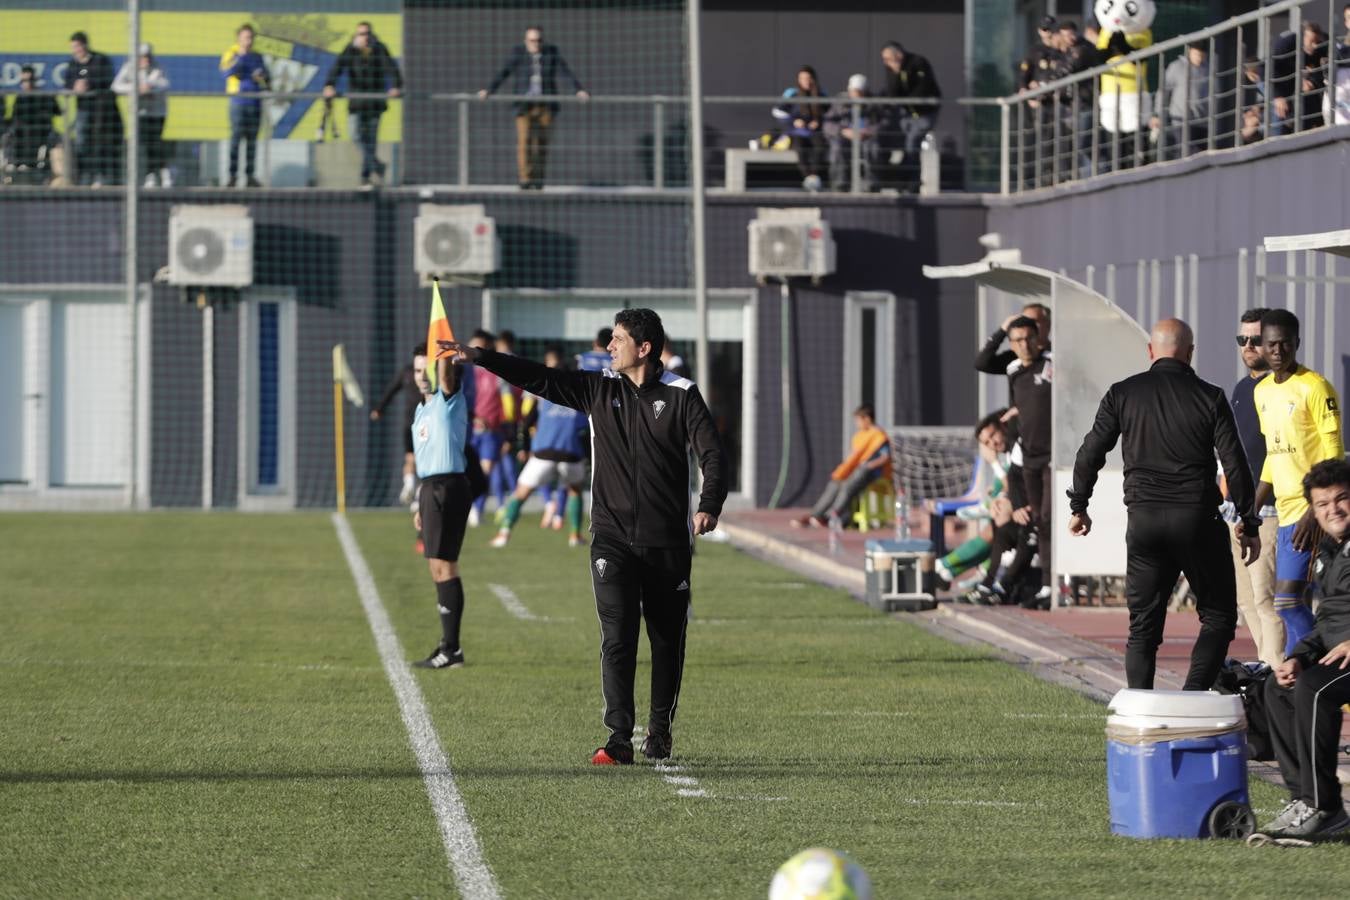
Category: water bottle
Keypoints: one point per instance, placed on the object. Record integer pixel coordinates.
(901, 516)
(836, 530)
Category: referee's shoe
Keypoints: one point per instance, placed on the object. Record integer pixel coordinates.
(441, 658)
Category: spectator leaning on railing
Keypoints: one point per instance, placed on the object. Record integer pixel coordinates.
(144, 78)
(1077, 54)
(534, 69)
(370, 70)
(1336, 102)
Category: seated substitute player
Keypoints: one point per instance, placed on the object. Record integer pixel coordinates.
(643, 421)
(555, 450)
(439, 430)
(870, 461)
(1305, 694)
(1300, 417)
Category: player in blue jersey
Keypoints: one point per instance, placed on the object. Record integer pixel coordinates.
(439, 429)
(556, 450)
(596, 359)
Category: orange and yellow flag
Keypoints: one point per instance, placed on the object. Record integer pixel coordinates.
(438, 329)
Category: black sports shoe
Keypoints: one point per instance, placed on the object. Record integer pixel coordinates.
(657, 746)
(440, 658)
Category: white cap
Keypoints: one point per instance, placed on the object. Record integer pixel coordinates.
(147, 49)
(857, 82)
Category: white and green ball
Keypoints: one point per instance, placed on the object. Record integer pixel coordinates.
(820, 874)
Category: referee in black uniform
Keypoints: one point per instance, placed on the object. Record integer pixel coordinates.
(643, 419)
(1172, 422)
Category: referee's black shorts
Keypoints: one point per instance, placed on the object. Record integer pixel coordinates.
(443, 502)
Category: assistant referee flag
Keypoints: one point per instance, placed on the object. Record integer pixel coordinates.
(438, 329)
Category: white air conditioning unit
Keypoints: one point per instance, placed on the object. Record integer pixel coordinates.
(210, 246)
(455, 240)
(790, 242)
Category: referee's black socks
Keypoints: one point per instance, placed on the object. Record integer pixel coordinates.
(450, 604)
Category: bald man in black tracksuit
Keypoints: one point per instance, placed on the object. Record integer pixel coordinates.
(1172, 424)
(643, 419)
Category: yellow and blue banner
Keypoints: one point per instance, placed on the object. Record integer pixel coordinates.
(299, 48)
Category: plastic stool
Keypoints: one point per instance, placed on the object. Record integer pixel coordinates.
(875, 504)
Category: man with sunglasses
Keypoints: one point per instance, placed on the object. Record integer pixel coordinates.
(1255, 582)
(1301, 419)
(370, 69)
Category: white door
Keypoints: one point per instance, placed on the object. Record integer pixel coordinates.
(90, 394)
(22, 391)
(869, 356)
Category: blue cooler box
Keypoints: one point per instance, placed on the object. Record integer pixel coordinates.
(1176, 765)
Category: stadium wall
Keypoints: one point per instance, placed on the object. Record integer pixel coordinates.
(1218, 209)
(346, 260)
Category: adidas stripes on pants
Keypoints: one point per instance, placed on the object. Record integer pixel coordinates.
(1305, 727)
(631, 584)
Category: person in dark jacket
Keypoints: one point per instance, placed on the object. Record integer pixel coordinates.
(1030, 369)
(1305, 693)
(802, 116)
(98, 122)
(643, 422)
(993, 361)
(1172, 423)
(405, 383)
(908, 77)
(370, 70)
(534, 68)
(29, 127)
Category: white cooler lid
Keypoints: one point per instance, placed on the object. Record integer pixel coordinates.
(1176, 705)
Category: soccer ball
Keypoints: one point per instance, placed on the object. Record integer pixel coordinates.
(820, 874)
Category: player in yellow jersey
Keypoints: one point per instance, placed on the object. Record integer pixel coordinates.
(1301, 419)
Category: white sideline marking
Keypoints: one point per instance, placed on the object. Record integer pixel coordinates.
(917, 801)
(512, 603)
(472, 875)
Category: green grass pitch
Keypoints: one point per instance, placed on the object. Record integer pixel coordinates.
(193, 705)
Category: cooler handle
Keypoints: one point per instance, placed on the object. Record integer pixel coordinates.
(1200, 743)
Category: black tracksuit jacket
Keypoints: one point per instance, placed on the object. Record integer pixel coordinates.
(639, 436)
(1173, 422)
(1332, 573)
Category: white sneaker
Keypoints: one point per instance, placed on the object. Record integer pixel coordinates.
(944, 571)
(165, 177)
(501, 539)
(151, 180)
(811, 183)
(473, 517)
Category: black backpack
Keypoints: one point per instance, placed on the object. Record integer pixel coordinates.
(1248, 681)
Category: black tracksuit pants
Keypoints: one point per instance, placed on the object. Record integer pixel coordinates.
(633, 583)
(1162, 542)
(1305, 727)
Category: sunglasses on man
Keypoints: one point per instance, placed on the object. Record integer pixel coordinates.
(1249, 340)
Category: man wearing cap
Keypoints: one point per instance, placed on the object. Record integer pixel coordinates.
(845, 123)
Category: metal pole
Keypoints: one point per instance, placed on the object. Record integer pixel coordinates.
(129, 222)
(658, 145)
(1179, 287)
(462, 144)
(1004, 151)
(1210, 58)
(208, 403)
(697, 190)
(1021, 149)
(1161, 111)
(1261, 277)
(855, 151)
(1296, 26)
(1239, 93)
(1056, 112)
(1096, 111)
(1267, 101)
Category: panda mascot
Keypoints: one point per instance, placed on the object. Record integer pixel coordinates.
(1124, 101)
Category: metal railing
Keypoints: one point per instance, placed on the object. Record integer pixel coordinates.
(624, 141)
(1258, 84)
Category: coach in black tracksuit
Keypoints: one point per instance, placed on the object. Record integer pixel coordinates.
(1172, 422)
(643, 419)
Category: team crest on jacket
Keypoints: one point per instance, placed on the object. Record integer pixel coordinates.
(600, 566)
(658, 406)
